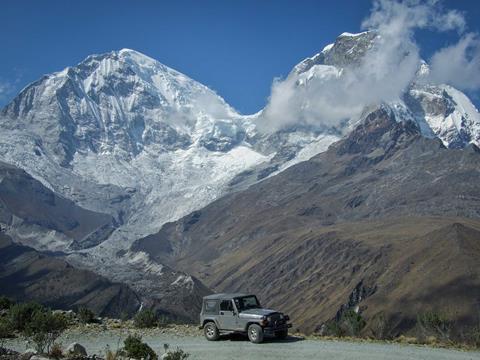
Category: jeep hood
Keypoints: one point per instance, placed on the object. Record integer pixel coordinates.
(257, 313)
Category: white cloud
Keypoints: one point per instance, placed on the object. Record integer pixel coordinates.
(6, 88)
(458, 65)
(326, 97)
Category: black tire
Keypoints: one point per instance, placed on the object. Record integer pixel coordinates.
(281, 335)
(211, 331)
(255, 333)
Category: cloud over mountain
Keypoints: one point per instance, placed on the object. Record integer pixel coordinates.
(331, 93)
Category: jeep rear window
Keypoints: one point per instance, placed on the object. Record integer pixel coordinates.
(210, 306)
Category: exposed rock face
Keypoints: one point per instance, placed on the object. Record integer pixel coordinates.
(27, 206)
(348, 50)
(385, 207)
(26, 275)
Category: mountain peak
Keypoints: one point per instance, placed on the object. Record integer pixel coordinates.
(348, 49)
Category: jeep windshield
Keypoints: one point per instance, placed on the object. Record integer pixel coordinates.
(247, 302)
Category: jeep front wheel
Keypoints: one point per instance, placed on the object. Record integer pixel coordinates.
(211, 332)
(255, 333)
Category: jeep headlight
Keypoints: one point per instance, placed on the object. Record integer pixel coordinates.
(269, 319)
(281, 316)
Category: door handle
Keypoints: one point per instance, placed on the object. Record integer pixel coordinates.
(221, 313)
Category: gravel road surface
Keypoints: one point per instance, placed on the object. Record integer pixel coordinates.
(239, 348)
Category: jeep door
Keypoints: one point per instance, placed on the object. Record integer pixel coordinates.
(227, 317)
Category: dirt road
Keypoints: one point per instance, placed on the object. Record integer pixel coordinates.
(239, 348)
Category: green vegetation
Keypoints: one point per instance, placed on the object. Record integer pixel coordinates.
(474, 337)
(44, 328)
(434, 324)
(136, 349)
(5, 330)
(35, 322)
(124, 316)
(177, 354)
(378, 327)
(432, 328)
(5, 303)
(146, 318)
(85, 315)
(56, 351)
(350, 323)
(20, 315)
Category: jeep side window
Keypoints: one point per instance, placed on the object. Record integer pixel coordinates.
(226, 305)
(247, 302)
(210, 306)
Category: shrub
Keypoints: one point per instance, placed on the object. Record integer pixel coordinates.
(146, 318)
(349, 324)
(20, 315)
(136, 349)
(86, 316)
(434, 324)
(5, 303)
(5, 330)
(332, 328)
(352, 323)
(378, 327)
(124, 316)
(56, 351)
(177, 354)
(44, 328)
(111, 355)
(472, 337)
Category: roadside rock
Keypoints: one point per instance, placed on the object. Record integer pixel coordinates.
(7, 354)
(76, 349)
(28, 354)
(39, 357)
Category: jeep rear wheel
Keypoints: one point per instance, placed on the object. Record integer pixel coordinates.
(255, 333)
(211, 332)
(281, 335)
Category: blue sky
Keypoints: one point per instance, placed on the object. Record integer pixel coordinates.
(234, 47)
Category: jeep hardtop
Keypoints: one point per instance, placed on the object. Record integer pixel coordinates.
(227, 313)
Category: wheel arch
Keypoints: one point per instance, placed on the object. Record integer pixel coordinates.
(205, 321)
(247, 325)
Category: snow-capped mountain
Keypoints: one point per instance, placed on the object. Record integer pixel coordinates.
(440, 110)
(119, 103)
(124, 120)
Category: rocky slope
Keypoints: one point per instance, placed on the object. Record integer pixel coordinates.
(385, 221)
(26, 275)
(36, 215)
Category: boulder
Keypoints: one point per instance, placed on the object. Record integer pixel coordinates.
(28, 354)
(39, 357)
(76, 349)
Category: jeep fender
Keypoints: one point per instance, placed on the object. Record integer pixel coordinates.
(210, 320)
(250, 323)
